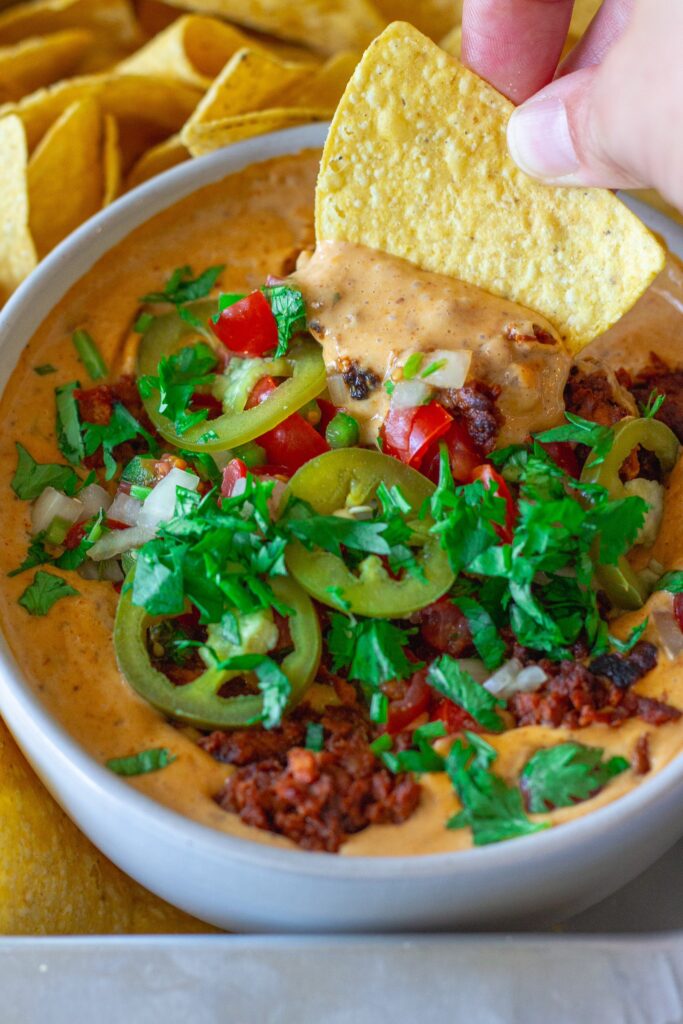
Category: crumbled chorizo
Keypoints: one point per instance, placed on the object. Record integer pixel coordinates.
(475, 405)
(658, 376)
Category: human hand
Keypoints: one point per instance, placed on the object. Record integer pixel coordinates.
(613, 112)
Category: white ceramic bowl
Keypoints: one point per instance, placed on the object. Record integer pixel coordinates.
(238, 884)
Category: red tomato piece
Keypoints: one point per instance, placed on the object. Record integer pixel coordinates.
(213, 405)
(116, 524)
(261, 390)
(74, 536)
(328, 410)
(678, 610)
(248, 327)
(454, 718)
(462, 454)
(563, 455)
(235, 471)
(408, 433)
(488, 475)
(416, 701)
(445, 628)
(292, 443)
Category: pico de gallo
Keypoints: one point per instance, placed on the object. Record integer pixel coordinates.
(337, 611)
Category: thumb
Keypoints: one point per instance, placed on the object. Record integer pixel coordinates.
(565, 135)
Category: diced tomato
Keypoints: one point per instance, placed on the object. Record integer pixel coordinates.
(234, 472)
(328, 410)
(488, 475)
(207, 401)
(116, 524)
(408, 433)
(292, 443)
(678, 610)
(261, 390)
(462, 453)
(563, 455)
(74, 536)
(445, 628)
(248, 327)
(415, 702)
(454, 718)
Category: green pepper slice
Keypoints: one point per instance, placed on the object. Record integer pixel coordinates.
(350, 476)
(169, 333)
(198, 703)
(621, 583)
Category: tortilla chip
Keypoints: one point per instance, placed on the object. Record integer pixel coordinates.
(251, 80)
(111, 160)
(159, 102)
(65, 178)
(433, 17)
(40, 60)
(17, 251)
(206, 137)
(325, 86)
(193, 50)
(416, 164)
(324, 25)
(452, 43)
(159, 158)
(52, 879)
(112, 19)
(154, 16)
(281, 49)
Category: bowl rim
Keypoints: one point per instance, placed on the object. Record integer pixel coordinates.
(22, 708)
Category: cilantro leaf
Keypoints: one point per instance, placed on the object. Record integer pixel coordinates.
(671, 582)
(485, 636)
(563, 775)
(420, 760)
(68, 427)
(44, 369)
(179, 376)
(315, 737)
(582, 431)
(654, 403)
(37, 555)
(145, 761)
(617, 524)
(624, 646)
(492, 809)
(447, 676)
(331, 533)
(274, 685)
(31, 478)
(43, 592)
(371, 649)
(121, 427)
(89, 354)
(182, 287)
(289, 311)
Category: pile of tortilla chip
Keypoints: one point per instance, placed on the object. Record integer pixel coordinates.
(97, 96)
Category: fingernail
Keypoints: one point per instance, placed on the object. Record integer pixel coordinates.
(539, 139)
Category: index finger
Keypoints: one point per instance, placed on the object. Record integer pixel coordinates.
(515, 44)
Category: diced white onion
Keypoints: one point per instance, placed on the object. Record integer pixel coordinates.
(453, 373)
(512, 677)
(53, 504)
(159, 506)
(93, 498)
(669, 633)
(338, 391)
(125, 509)
(410, 393)
(118, 541)
(109, 569)
(474, 667)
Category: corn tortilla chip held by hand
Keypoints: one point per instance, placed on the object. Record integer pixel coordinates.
(416, 164)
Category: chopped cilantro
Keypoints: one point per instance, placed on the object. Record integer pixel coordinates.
(373, 650)
(182, 287)
(412, 365)
(382, 744)
(624, 646)
(37, 555)
(447, 676)
(654, 403)
(44, 369)
(289, 311)
(421, 757)
(179, 376)
(31, 478)
(44, 591)
(563, 775)
(69, 423)
(438, 364)
(121, 427)
(581, 431)
(89, 354)
(492, 809)
(379, 707)
(315, 737)
(145, 761)
(485, 636)
(671, 582)
(337, 595)
(389, 387)
(274, 685)
(143, 323)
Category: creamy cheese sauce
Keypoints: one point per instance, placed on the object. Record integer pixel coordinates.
(376, 310)
(256, 222)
